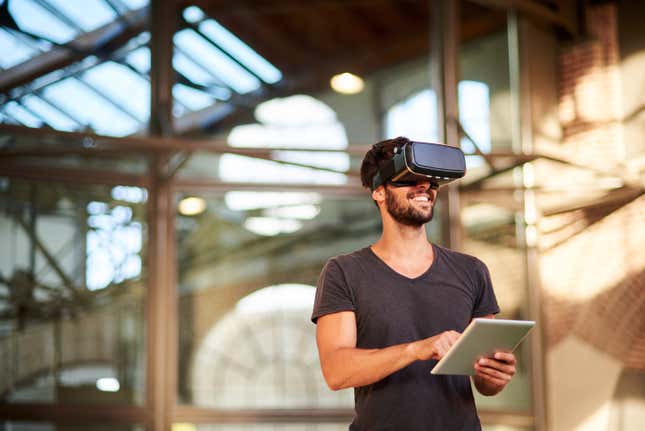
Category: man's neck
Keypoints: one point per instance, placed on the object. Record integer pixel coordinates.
(400, 242)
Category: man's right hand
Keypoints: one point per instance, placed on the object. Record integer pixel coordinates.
(435, 347)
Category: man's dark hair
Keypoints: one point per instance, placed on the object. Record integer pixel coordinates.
(376, 157)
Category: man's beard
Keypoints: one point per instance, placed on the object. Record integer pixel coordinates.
(409, 216)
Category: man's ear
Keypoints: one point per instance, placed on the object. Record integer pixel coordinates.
(378, 194)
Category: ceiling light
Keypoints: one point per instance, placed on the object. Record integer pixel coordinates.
(347, 83)
(192, 206)
(108, 384)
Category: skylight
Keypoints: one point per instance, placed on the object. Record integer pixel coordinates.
(241, 51)
(111, 97)
(35, 19)
(135, 4)
(191, 98)
(89, 14)
(214, 59)
(192, 70)
(90, 109)
(124, 86)
(13, 50)
(140, 59)
(230, 43)
(52, 116)
(21, 114)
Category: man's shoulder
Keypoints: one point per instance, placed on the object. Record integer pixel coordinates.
(459, 257)
(349, 259)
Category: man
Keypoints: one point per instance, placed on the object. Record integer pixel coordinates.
(385, 314)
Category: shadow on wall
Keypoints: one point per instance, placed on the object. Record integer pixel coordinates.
(628, 406)
(594, 299)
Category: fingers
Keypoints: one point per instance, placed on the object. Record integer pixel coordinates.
(443, 342)
(506, 357)
(494, 368)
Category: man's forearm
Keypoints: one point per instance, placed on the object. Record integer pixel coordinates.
(349, 367)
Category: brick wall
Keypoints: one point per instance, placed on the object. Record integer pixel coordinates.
(592, 264)
(590, 101)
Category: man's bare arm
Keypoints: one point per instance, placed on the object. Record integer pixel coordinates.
(345, 366)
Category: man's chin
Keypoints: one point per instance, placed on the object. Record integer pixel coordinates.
(416, 220)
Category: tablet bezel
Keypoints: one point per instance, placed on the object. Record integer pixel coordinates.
(478, 341)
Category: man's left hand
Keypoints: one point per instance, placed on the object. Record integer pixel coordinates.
(493, 374)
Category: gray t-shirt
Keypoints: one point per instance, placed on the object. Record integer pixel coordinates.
(393, 309)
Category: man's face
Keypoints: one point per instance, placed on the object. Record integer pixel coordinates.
(412, 205)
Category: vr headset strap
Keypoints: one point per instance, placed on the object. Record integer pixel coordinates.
(383, 174)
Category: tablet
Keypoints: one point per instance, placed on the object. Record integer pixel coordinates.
(483, 337)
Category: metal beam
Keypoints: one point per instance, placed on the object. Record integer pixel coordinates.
(110, 36)
(534, 10)
(72, 414)
(156, 144)
(213, 186)
(49, 257)
(34, 172)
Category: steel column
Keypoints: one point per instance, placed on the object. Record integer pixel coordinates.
(161, 310)
(527, 233)
(161, 304)
(444, 67)
(163, 23)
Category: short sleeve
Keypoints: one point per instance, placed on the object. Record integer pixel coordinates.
(486, 302)
(333, 294)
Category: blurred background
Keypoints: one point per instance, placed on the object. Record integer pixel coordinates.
(174, 175)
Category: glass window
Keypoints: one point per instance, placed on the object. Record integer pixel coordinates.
(71, 295)
(490, 220)
(413, 117)
(246, 295)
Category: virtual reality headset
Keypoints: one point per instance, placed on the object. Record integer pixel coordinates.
(422, 161)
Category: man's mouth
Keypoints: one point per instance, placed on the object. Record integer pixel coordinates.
(421, 198)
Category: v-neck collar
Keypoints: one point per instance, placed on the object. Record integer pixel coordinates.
(398, 274)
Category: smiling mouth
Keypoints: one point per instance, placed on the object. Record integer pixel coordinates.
(421, 199)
